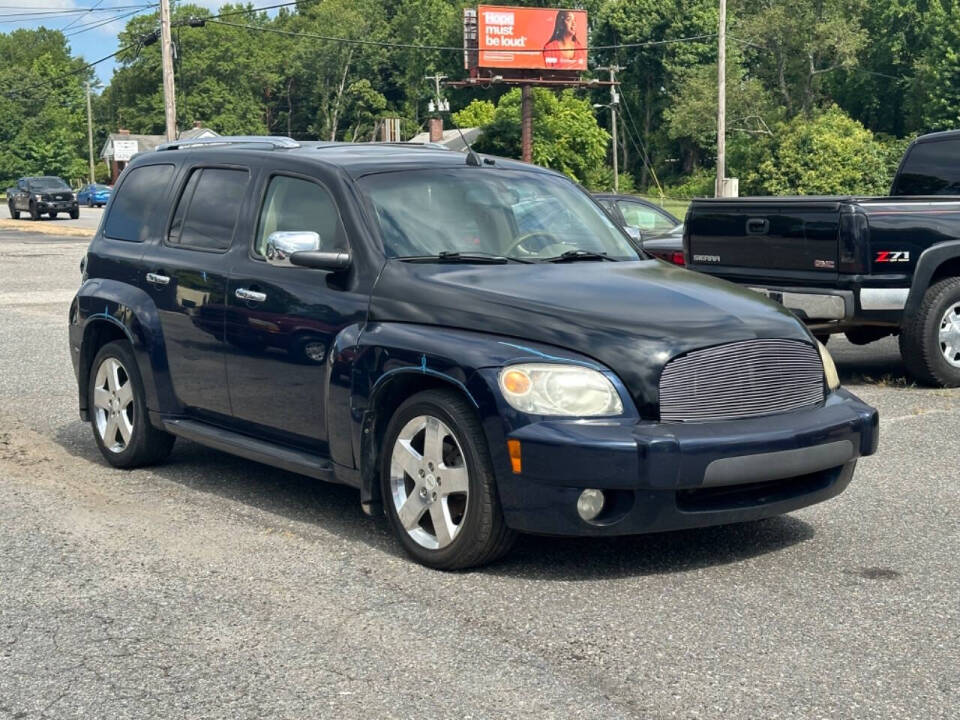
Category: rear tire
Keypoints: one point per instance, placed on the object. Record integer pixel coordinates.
(118, 410)
(930, 340)
(435, 463)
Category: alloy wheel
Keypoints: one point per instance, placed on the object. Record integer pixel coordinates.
(949, 336)
(429, 482)
(113, 405)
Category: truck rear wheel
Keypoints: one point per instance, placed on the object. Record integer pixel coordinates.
(930, 341)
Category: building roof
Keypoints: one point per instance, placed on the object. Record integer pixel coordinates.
(146, 143)
(451, 138)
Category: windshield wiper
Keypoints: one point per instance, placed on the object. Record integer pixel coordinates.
(577, 255)
(448, 256)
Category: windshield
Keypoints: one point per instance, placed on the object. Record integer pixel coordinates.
(513, 214)
(48, 183)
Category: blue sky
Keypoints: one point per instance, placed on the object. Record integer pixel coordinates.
(92, 25)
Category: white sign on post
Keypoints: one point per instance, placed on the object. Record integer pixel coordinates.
(123, 150)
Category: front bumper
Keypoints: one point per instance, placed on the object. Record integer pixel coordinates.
(668, 476)
(57, 205)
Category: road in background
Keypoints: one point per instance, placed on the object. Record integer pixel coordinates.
(87, 223)
(215, 587)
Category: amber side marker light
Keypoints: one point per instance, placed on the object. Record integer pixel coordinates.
(515, 463)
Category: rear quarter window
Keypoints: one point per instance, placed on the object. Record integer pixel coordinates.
(138, 212)
(930, 168)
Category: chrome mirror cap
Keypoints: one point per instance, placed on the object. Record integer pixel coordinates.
(282, 245)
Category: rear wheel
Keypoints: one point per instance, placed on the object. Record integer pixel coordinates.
(930, 341)
(118, 410)
(438, 485)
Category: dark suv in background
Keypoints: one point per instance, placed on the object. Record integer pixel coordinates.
(471, 342)
(42, 196)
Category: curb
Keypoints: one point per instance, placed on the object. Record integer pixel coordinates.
(47, 228)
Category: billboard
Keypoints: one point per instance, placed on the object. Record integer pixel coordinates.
(532, 38)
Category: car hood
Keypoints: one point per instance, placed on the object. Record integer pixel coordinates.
(632, 317)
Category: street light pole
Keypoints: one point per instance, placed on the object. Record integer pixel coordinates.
(93, 178)
(166, 54)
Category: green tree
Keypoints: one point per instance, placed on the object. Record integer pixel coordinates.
(42, 106)
(478, 113)
(566, 136)
(828, 154)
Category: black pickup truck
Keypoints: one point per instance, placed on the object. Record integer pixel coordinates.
(38, 196)
(866, 267)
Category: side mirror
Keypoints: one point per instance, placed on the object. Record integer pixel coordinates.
(281, 246)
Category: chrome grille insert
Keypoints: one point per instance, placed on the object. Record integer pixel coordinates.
(740, 380)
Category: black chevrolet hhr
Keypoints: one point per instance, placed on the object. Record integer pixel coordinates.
(469, 341)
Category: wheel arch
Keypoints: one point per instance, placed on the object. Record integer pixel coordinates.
(107, 310)
(935, 263)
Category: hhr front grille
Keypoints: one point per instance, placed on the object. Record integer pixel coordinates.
(741, 380)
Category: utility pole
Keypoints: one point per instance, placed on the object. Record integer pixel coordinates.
(722, 102)
(614, 102)
(526, 122)
(441, 105)
(93, 178)
(166, 53)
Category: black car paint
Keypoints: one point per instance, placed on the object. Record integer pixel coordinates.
(389, 326)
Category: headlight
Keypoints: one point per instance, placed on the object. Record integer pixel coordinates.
(547, 389)
(829, 369)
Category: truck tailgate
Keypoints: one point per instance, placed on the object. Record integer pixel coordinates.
(791, 234)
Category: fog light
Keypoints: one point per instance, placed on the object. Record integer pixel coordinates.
(590, 503)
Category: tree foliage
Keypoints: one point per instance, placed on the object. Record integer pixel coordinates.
(566, 136)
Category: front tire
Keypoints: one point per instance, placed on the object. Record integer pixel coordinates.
(75, 213)
(34, 212)
(930, 340)
(118, 410)
(52, 214)
(438, 485)
(14, 213)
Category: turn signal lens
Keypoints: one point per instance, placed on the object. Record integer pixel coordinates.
(516, 382)
(829, 368)
(516, 464)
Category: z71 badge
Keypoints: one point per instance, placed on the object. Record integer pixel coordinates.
(892, 256)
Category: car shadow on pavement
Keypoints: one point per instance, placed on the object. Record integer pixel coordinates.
(335, 509)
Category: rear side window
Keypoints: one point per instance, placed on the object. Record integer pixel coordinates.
(931, 168)
(208, 209)
(137, 212)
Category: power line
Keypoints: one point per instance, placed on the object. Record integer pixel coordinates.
(79, 29)
(74, 21)
(642, 148)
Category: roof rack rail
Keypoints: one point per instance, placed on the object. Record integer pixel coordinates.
(273, 141)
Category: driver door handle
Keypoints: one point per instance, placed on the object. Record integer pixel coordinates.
(157, 279)
(250, 295)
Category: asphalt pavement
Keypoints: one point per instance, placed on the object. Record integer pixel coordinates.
(86, 224)
(212, 587)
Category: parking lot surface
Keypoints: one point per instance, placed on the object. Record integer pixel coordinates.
(212, 587)
(86, 224)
